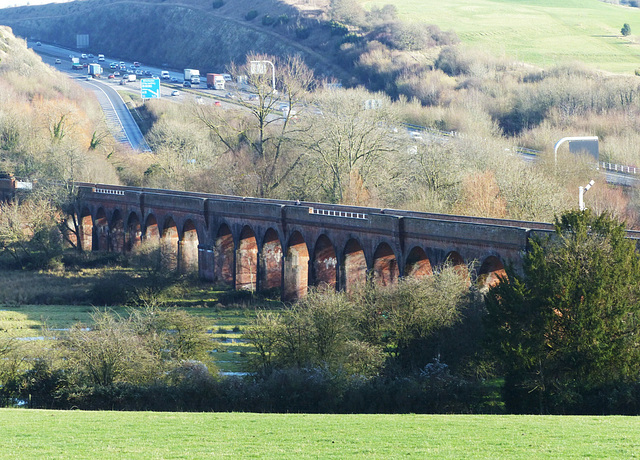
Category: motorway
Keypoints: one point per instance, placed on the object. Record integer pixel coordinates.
(117, 115)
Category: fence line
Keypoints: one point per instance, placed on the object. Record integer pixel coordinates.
(329, 212)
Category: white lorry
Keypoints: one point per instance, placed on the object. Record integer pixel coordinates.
(215, 81)
(95, 70)
(192, 75)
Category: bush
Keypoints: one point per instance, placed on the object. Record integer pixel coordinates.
(281, 20)
(337, 28)
(302, 33)
(267, 20)
(251, 15)
(351, 38)
(217, 4)
(626, 29)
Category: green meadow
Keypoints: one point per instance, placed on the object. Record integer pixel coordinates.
(540, 32)
(28, 434)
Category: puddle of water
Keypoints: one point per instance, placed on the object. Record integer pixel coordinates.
(233, 374)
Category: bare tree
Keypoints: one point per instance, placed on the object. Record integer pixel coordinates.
(264, 124)
(349, 132)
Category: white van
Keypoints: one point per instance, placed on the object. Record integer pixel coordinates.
(165, 75)
(100, 57)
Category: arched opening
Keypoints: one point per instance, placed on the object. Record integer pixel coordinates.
(271, 261)
(151, 230)
(101, 234)
(134, 232)
(169, 244)
(355, 266)
(325, 263)
(117, 232)
(490, 272)
(247, 260)
(223, 255)
(385, 266)
(458, 263)
(418, 264)
(188, 248)
(86, 230)
(296, 268)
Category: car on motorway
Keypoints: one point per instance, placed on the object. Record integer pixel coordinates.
(111, 75)
(38, 44)
(89, 77)
(147, 73)
(175, 92)
(123, 67)
(83, 56)
(186, 84)
(136, 64)
(139, 72)
(85, 65)
(91, 56)
(227, 77)
(113, 65)
(58, 61)
(116, 73)
(174, 80)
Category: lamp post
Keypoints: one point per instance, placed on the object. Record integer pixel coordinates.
(581, 191)
(260, 68)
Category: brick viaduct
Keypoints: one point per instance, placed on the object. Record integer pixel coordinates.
(258, 244)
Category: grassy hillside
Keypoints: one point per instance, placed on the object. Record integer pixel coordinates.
(541, 32)
(77, 434)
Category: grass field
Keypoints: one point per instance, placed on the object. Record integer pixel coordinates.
(541, 32)
(52, 434)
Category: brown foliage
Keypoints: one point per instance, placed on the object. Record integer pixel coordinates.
(481, 196)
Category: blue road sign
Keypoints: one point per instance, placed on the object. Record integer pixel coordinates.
(149, 88)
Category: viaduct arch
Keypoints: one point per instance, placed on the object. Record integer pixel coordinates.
(258, 244)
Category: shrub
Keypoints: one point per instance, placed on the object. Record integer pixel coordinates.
(281, 20)
(251, 15)
(452, 62)
(217, 4)
(350, 38)
(267, 20)
(337, 28)
(626, 29)
(302, 33)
